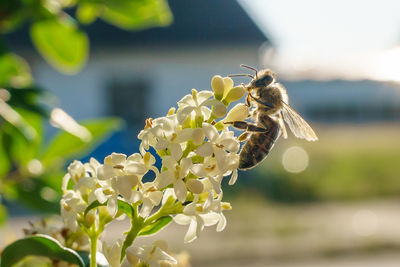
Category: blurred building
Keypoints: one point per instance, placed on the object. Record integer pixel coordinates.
(343, 101)
(136, 75)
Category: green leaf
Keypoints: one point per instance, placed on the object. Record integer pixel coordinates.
(14, 71)
(28, 99)
(156, 226)
(3, 214)
(64, 145)
(61, 43)
(20, 148)
(38, 195)
(136, 15)
(86, 13)
(5, 163)
(39, 245)
(123, 207)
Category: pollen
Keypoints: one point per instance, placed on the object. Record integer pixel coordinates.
(149, 123)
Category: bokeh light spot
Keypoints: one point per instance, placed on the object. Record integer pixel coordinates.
(295, 159)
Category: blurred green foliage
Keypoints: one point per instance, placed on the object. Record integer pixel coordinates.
(31, 165)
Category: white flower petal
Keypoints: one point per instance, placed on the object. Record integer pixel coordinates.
(137, 251)
(184, 135)
(182, 114)
(187, 100)
(204, 150)
(161, 144)
(118, 158)
(136, 168)
(164, 179)
(161, 255)
(65, 181)
(155, 197)
(230, 144)
(191, 233)
(186, 163)
(222, 223)
(136, 196)
(146, 208)
(105, 172)
(195, 186)
(180, 190)
(216, 183)
(233, 177)
(169, 162)
(100, 195)
(228, 84)
(239, 112)
(222, 159)
(176, 151)
(210, 218)
(200, 225)
(198, 170)
(112, 206)
(197, 136)
(203, 95)
(190, 209)
(169, 192)
(182, 219)
(210, 131)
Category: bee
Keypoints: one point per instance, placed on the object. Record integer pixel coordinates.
(271, 111)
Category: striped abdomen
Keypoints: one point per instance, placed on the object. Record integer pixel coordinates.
(259, 144)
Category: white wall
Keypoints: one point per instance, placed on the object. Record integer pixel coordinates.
(172, 71)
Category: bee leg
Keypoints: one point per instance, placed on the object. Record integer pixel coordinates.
(242, 125)
(248, 102)
(269, 105)
(243, 136)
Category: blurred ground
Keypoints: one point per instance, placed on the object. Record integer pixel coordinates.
(258, 233)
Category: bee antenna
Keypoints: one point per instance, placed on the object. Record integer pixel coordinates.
(241, 75)
(249, 67)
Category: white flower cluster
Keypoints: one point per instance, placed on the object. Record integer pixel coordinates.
(196, 149)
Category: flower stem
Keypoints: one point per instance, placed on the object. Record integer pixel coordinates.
(136, 226)
(93, 250)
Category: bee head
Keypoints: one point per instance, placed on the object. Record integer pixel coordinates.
(264, 79)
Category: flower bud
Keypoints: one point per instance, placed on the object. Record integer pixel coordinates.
(228, 84)
(219, 110)
(217, 84)
(234, 94)
(238, 113)
(197, 136)
(195, 186)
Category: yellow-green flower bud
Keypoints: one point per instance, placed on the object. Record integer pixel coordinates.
(234, 94)
(228, 84)
(219, 110)
(195, 186)
(238, 113)
(217, 85)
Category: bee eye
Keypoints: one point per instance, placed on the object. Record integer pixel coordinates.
(267, 80)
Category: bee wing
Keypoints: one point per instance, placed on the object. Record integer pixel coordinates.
(297, 124)
(282, 125)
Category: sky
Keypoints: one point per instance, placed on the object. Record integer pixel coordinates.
(351, 39)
